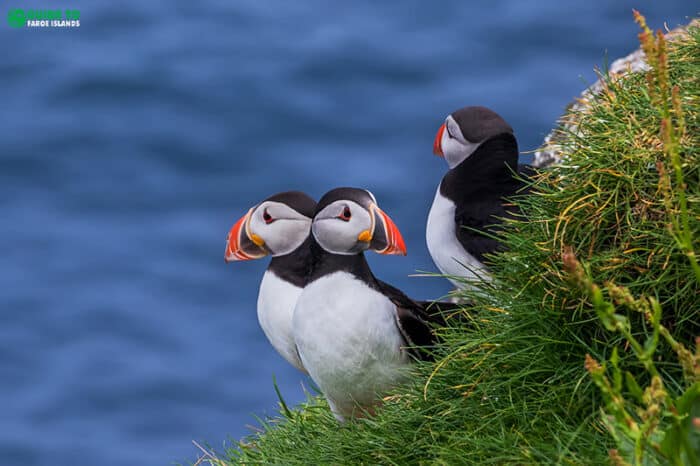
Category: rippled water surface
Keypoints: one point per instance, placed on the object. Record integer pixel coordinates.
(129, 146)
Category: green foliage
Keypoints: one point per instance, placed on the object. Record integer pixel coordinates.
(510, 385)
(651, 426)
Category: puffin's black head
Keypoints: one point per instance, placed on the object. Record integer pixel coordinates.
(277, 226)
(348, 221)
(464, 130)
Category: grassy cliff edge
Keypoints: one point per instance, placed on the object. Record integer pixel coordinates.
(582, 350)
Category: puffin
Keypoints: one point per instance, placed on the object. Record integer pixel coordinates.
(355, 334)
(482, 155)
(279, 226)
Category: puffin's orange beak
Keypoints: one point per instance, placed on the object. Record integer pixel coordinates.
(239, 244)
(437, 144)
(386, 226)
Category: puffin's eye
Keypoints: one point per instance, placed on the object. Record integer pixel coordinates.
(267, 217)
(447, 128)
(346, 214)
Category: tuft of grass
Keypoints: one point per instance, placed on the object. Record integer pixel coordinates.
(657, 425)
(519, 381)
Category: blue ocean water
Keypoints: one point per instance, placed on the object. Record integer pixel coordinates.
(129, 146)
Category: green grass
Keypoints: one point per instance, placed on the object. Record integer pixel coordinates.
(510, 386)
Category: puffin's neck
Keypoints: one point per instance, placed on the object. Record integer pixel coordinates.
(296, 266)
(489, 170)
(325, 263)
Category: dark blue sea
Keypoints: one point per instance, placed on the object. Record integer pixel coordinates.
(130, 145)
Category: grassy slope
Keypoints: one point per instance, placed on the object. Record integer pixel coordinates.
(513, 388)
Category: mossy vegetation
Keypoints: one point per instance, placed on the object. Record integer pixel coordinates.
(582, 350)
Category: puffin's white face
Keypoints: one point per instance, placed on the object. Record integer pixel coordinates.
(282, 228)
(350, 222)
(343, 227)
(451, 144)
(269, 228)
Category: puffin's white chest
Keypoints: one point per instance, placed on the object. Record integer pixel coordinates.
(348, 340)
(276, 301)
(445, 249)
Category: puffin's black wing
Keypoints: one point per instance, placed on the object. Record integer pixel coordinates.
(477, 220)
(416, 332)
(414, 318)
(410, 320)
(433, 312)
(475, 223)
